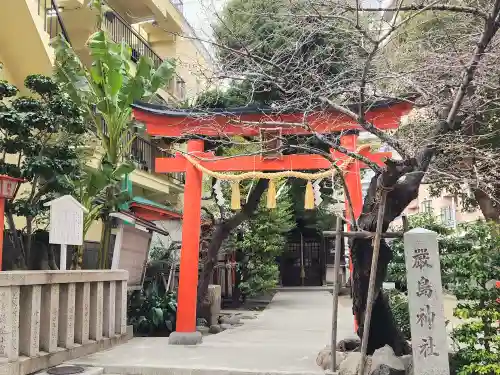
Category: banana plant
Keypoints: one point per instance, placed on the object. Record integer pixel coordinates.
(105, 91)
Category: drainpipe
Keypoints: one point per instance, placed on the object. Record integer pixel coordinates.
(302, 269)
(454, 211)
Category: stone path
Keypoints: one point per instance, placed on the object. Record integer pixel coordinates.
(284, 339)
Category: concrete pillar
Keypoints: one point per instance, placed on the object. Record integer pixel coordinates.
(29, 325)
(214, 298)
(49, 318)
(9, 323)
(121, 307)
(66, 337)
(109, 308)
(82, 313)
(96, 307)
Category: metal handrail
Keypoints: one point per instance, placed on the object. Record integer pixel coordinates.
(122, 30)
(53, 29)
(61, 23)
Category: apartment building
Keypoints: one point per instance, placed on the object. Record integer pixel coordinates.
(154, 28)
(447, 208)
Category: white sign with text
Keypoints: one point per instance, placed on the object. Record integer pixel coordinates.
(66, 224)
(425, 299)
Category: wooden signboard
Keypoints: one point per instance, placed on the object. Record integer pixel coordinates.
(132, 253)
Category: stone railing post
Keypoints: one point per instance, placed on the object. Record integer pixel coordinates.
(96, 310)
(49, 317)
(9, 322)
(121, 307)
(66, 336)
(109, 308)
(82, 313)
(29, 325)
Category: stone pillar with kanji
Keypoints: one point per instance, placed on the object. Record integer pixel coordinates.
(425, 298)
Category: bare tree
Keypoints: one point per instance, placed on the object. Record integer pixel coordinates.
(341, 56)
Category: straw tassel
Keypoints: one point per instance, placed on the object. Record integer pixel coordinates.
(235, 196)
(309, 197)
(271, 195)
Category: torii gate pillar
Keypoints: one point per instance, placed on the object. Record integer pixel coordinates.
(353, 182)
(185, 332)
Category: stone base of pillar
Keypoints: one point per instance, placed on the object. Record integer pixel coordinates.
(185, 338)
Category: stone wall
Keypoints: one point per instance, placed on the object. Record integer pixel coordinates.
(48, 317)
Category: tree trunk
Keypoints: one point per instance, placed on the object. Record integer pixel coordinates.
(222, 232)
(105, 242)
(19, 260)
(384, 330)
(77, 259)
(489, 209)
(28, 243)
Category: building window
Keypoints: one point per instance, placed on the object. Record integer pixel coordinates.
(447, 217)
(426, 206)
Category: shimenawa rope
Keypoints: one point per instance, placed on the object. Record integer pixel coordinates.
(235, 179)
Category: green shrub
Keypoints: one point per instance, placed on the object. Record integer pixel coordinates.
(397, 270)
(469, 270)
(152, 313)
(399, 306)
(470, 259)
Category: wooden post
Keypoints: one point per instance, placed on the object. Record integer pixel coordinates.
(335, 292)
(115, 261)
(62, 258)
(302, 269)
(188, 278)
(371, 284)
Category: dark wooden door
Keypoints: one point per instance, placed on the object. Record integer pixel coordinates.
(312, 256)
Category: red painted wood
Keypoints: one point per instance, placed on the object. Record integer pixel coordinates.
(223, 125)
(353, 182)
(191, 227)
(153, 213)
(257, 163)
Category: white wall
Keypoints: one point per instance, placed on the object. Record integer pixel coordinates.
(173, 227)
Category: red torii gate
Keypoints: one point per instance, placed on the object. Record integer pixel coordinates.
(161, 121)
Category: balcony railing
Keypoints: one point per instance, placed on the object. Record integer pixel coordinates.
(52, 22)
(120, 30)
(143, 153)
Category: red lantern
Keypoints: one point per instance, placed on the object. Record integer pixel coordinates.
(8, 190)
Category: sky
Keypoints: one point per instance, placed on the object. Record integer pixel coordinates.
(201, 13)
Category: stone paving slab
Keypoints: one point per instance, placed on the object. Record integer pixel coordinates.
(284, 339)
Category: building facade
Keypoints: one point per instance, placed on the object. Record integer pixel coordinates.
(154, 28)
(447, 208)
